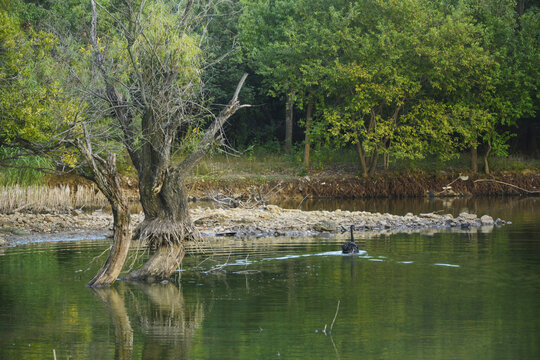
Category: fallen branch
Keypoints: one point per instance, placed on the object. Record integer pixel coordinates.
(507, 184)
(335, 316)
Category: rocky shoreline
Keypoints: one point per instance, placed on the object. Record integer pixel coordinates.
(268, 220)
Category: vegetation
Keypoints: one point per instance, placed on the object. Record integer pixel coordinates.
(403, 82)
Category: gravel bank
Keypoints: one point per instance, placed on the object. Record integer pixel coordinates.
(267, 220)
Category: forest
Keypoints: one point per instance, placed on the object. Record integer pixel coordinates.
(389, 81)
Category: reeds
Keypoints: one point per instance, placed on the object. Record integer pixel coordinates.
(46, 199)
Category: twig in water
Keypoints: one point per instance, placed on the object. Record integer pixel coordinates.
(220, 267)
(335, 316)
(54, 354)
(298, 207)
(335, 347)
(100, 255)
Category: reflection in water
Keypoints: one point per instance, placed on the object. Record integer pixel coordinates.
(276, 296)
(501, 207)
(123, 332)
(160, 310)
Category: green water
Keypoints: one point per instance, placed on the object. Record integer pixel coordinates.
(411, 296)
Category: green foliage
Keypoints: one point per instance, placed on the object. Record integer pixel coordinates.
(28, 91)
(405, 80)
(23, 170)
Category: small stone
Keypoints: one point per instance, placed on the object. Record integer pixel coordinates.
(429, 216)
(486, 220)
(325, 225)
(467, 216)
(76, 212)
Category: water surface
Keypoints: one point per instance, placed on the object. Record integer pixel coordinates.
(407, 296)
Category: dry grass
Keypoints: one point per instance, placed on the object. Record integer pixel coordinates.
(46, 199)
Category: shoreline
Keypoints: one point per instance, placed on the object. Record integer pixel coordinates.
(262, 221)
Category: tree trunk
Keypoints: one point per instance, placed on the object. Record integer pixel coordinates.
(107, 179)
(308, 130)
(373, 162)
(166, 226)
(165, 260)
(121, 242)
(362, 156)
(289, 102)
(486, 156)
(474, 158)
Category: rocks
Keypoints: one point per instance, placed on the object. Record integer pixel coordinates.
(267, 220)
(486, 220)
(467, 216)
(326, 225)
(274, 220)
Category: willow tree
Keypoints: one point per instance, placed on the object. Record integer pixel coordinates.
(38, 117)
(148, 74)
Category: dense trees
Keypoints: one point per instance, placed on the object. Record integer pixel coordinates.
(400, 79)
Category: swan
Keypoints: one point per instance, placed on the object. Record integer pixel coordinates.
(350, 247)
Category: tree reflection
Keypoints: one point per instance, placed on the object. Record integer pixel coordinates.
(168, 324)
(123, 332)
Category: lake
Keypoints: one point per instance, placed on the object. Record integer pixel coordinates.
(435, 295)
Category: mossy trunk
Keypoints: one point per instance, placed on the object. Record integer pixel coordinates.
(166, 227)
(362, 157)
(121, 242)
(108, 181)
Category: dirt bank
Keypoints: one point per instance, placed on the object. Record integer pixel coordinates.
(346, 185)
(398, 185)
(267, 220)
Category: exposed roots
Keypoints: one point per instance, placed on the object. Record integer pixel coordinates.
(164, 232)
(167, 238)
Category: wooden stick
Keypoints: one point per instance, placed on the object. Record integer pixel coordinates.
(514, 186)
(335, 316)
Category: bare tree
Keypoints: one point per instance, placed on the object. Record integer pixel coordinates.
(148, 75)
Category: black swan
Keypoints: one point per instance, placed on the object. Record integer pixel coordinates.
(350, 247)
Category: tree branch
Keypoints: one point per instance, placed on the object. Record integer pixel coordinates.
(210, 134)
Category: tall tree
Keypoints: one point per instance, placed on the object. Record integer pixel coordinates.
(148, 73)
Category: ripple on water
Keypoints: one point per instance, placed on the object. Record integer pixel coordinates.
(447, 265)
